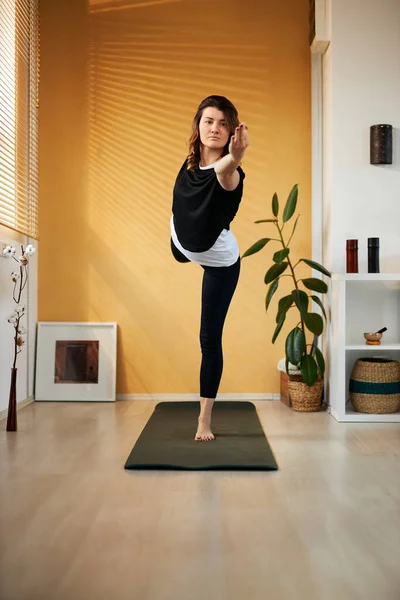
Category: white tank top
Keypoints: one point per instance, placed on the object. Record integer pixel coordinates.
(223, 253)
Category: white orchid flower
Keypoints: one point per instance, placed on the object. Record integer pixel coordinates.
(29, 250)
(22, 331)
(12, 319)
(23, 260)
(15, 276)
(9, 251)
(20, 309)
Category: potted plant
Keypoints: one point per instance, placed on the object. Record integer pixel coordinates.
(305, 389)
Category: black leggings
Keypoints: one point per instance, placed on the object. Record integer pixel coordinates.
(219, 284)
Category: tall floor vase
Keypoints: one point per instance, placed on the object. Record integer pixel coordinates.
(12, 403)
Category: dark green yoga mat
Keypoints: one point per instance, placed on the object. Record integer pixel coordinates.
(167, 441)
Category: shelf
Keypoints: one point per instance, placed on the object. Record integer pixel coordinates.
(353, 416)
(380, 348)
(361, 302)
(366, 276)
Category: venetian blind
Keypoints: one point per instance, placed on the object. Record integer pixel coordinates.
(19, 103)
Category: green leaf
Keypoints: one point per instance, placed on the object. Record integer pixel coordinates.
(316, 266)
(317, 285)
(314, 323)
(274, 272)
(294, 228)
(266, 221)
(301, 300)
(283, 306)
(295, 345)
(256, 247)
(278, 328)
(308, 368)
(281, 255)
(318, 301)
(314, 345)
(320, 360)
(275, 205)
(271, 291)
(290, 204)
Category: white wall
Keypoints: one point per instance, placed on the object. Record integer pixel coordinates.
(361, 72)
(25, 360)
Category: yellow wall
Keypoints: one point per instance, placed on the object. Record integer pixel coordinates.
(118, 92)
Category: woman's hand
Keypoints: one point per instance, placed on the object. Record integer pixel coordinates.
(226, 167)
(239, 142)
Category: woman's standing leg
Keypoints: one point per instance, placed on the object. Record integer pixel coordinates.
(219, 284)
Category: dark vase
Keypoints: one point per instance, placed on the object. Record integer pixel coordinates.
(12, 403)
(373, 255)
(351, 256)
(381, 142)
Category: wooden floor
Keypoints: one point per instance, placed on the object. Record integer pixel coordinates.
(76, 526)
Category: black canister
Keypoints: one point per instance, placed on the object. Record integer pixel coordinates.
(381, 142)
(373, 255)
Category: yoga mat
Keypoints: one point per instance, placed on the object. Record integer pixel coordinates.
(167, 440)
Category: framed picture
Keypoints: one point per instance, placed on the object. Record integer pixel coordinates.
(76, 361)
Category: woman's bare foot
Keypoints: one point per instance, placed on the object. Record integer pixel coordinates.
(204, 433)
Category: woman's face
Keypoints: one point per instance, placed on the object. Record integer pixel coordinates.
(213, 129)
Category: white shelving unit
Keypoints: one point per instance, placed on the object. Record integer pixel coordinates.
(361, 302)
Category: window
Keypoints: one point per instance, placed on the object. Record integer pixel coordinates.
(19, 103)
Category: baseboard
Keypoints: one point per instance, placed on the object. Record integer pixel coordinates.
(166, 398)
(195, 397)
(20, 405)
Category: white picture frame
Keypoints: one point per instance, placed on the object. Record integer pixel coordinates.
(76, 361)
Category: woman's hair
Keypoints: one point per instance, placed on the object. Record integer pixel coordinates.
(232, 120)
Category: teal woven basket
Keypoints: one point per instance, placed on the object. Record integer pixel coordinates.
(375, 386)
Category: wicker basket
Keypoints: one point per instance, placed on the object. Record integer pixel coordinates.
(305, 398)
(375, 385)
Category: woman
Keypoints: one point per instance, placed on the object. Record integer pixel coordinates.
(206, 197)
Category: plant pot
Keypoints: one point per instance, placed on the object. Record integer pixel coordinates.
(305, 398)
